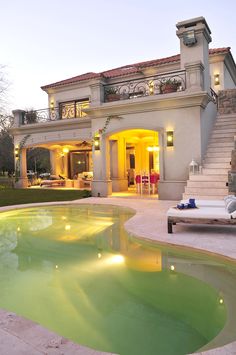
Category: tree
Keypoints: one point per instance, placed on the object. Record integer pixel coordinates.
(6, 152)
(4, 85)
(38, 159)
(6, 141)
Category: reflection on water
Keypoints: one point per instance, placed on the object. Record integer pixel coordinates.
(76, 271)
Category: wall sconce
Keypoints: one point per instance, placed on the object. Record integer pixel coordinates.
(216, 79)
(16, 152)
(65, 150)
(97, 143)
(52, 104)
(153, 149)
(189, 38)
(169, 138)
(151, 87)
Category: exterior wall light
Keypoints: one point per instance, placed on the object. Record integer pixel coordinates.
(97, 143)
(153, 149)
(52, 104)
(189, 38)
(16, 152)
(169, 138)
(216, 79)
(151, 87)
(65, 150)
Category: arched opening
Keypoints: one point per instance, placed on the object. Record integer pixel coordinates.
(135, 162)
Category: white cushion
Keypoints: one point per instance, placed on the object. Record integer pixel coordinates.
(207, 203)
(230, 203)
(233, 215)
(231, 206)
(202, 212)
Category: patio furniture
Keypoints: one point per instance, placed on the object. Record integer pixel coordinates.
(207, 212)
(148, 181)
(53, 181)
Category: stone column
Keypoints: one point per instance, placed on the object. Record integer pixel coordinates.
(22, 180)
(97, 93)
(53, 162)
(194, 76)
(18, 117)
(195, 36)
(118, 165)
(102, 184)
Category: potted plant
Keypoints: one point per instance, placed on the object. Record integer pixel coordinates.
(30, 117)
(170, 85)
(111, 94)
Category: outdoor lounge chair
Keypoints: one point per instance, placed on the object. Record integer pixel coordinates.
(207, 212)
(53, 181)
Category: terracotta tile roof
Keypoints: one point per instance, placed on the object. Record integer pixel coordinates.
(127, 69)
(219, 50)
(86, 76)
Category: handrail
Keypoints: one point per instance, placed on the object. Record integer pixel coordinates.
(150, 85)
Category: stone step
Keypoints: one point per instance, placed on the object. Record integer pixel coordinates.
(226, 116)
(211, 171)
(225, 128)
(219, 154)
(221, 144)
(209, 160)
(207, 184)
(202, 197)
(220, 134)
(206, 191)
(201, 177)
(223, 119)
(221, 140)
(216, 166)
(220, 149)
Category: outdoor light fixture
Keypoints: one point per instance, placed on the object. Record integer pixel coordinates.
(151, 87)
(153, 149)
(189, 38)
(52, 104)
(65, 150)
(97, 143)
(216, 79)
(169, 138)
(16, 152)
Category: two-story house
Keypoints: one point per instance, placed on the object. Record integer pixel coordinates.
(154, 116)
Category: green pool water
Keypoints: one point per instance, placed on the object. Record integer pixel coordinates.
(76, 271)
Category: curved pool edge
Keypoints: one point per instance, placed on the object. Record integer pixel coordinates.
(148, 223)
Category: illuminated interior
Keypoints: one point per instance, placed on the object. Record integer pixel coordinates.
(142, 151)
(132, 152)
(73, 109)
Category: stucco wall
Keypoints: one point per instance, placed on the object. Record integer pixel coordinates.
(208, 117)
(229, 83)
(69, 94)
(186, 126)
(57, 136)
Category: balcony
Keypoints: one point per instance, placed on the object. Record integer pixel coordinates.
(148, 86)
(67, 110)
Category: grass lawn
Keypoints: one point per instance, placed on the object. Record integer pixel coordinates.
(10, 196)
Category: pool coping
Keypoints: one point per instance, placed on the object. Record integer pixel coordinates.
(148, 223)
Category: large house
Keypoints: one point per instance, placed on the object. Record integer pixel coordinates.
(150, 117)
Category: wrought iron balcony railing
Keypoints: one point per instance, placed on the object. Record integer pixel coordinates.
(148, 86)
(40, 116)
(52, 114)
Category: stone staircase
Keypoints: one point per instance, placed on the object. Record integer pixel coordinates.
(211, 183)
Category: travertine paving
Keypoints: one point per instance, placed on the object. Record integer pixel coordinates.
(23, 337)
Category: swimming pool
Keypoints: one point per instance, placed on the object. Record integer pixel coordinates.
(76, 271)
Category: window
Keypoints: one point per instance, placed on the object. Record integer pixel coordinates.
(73, 109)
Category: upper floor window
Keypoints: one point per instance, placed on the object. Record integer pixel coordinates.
(73, 109)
